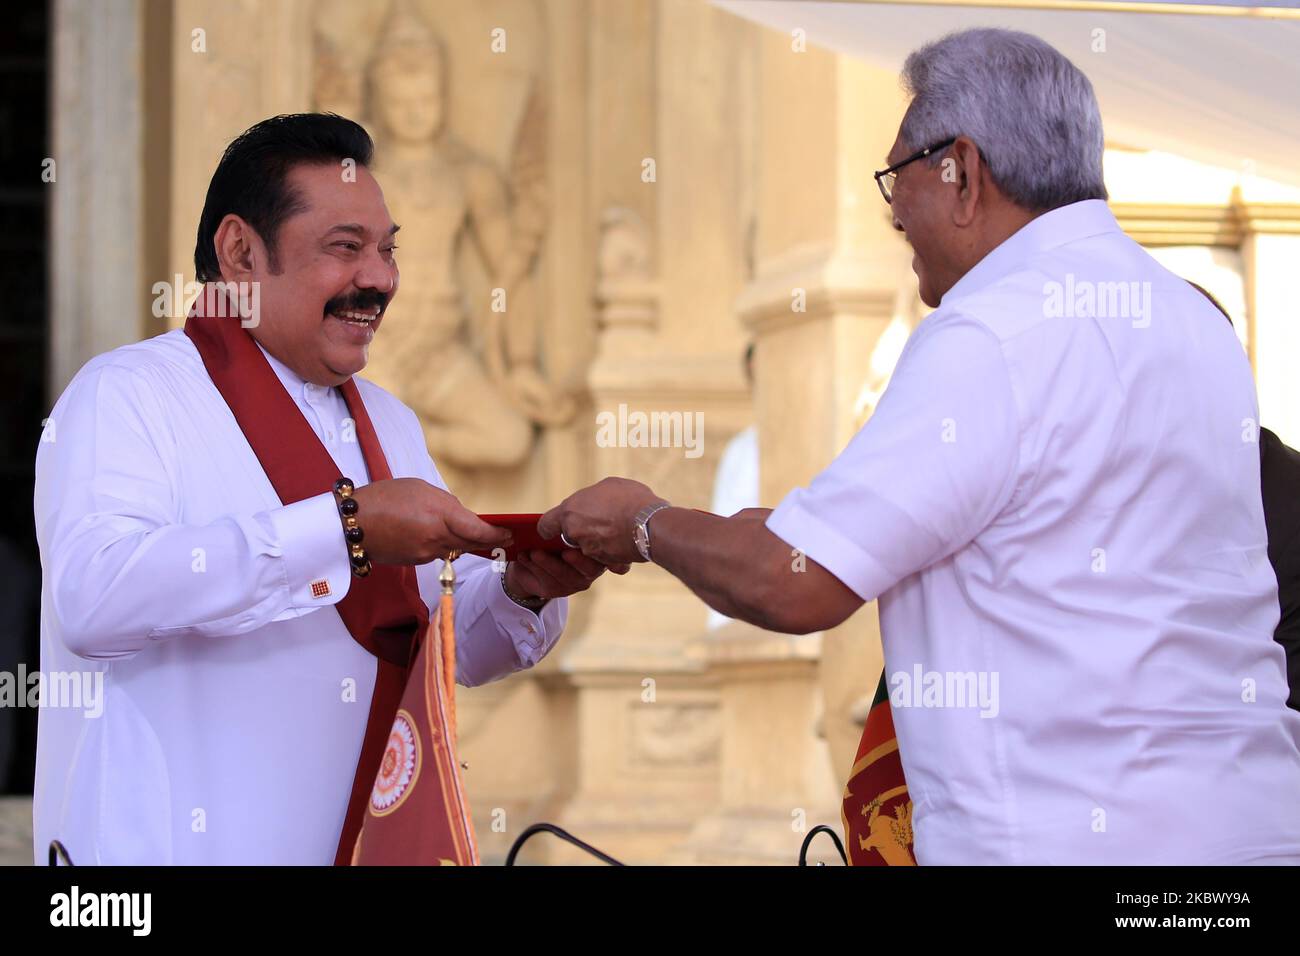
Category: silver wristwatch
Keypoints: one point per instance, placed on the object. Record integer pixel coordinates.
(641, 534)
(530, 603)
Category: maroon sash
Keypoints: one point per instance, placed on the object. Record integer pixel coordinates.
(383, 612)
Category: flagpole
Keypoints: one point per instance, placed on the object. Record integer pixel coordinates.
(447, 634)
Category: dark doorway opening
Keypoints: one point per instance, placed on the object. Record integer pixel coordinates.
(24, 343)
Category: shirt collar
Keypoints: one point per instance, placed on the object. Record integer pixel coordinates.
(1065, 224)
(294, 384)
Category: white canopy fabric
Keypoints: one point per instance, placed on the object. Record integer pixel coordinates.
(1219, 85)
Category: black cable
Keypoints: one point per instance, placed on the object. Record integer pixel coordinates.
(57, 850)
(563, 835)
(803, 850)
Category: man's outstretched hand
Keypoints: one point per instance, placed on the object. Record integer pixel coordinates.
(409, 521)
(545, 575)
(600, 520)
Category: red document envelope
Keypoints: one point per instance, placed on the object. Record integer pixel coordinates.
(526, 538)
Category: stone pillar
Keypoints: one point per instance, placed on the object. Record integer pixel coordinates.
(97, 285)
(669, 176)
(825, 288)
(232, 65)
(647, 717)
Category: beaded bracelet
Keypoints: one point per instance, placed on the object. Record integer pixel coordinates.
(352, 532)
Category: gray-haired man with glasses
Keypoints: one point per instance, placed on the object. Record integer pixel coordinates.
(1054, 501)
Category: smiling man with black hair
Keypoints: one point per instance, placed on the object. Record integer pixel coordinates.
(237, 532)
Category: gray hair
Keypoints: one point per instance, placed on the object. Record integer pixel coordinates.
(1031, 112)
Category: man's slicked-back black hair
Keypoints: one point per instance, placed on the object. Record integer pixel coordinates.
(251, 180)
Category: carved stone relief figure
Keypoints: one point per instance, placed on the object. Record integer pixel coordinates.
(479, 405)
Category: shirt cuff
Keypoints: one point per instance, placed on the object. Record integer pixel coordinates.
(533, 633)
(309, 534)
(801, 529)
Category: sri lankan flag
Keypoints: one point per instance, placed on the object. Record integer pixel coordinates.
(877, 811)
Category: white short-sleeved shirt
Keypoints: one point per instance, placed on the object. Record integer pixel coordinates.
(1058, 506)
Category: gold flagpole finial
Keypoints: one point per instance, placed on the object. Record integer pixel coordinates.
(447, 576)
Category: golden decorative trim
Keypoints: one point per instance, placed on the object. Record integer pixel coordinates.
(1186, 224)
(1181, 224)
(1107, 6)
(1268, 217)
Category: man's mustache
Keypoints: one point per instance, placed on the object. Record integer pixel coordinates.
(360, 301)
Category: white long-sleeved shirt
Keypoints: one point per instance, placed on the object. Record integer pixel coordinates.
(232, 701)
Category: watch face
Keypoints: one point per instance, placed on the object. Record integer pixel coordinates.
(642, 539)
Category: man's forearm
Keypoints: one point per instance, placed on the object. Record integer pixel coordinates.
(118, 584)
(736, 565)
(730, 563)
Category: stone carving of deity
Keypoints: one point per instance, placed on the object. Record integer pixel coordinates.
(478, 405)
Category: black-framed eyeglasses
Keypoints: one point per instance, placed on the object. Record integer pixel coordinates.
(885, 178)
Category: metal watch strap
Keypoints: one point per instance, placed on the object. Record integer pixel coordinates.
(529, 604)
